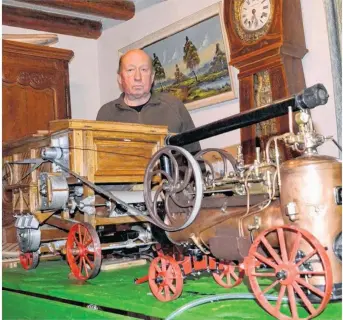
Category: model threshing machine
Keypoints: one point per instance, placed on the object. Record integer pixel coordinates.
(49, 199)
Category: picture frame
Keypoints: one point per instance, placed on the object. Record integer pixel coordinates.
(191, 58)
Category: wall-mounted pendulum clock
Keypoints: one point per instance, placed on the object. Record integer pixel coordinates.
(267, 44)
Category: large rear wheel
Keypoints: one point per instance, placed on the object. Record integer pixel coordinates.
(298, 270)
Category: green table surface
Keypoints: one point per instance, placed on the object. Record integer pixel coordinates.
(116, 290)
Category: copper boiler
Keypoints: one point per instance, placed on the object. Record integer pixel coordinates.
(311, 199)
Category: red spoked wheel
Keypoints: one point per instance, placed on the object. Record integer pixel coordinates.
(299, 270)
(29, 260)
(165, 278)
(83, 251)
(229, 275)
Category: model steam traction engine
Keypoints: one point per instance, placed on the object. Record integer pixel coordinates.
(278, 222)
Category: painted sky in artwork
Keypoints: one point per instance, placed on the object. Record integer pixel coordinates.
(204, 36)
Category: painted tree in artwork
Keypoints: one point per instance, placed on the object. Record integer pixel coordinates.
(159, 70)
(219, 62)
(179, 76)
(191, 57)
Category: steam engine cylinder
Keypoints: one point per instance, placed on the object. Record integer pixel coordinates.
(214, 227)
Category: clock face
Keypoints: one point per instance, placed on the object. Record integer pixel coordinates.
(254, 14)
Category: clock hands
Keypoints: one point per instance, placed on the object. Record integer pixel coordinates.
(254, 19)
(254, 14)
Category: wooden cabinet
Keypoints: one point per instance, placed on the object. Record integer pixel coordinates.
(35, 88)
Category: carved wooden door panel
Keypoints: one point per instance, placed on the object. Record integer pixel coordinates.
(35, 88)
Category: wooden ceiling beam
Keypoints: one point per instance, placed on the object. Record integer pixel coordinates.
(50, 22)
(113, 9)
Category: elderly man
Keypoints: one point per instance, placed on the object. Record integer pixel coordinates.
(138, 105)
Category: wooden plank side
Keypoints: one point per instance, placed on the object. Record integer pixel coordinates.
(76, 151)
(99, 126)
(89, 170)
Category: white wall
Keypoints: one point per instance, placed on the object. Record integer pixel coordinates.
(316, 63)
(83, 72)
(317, 68)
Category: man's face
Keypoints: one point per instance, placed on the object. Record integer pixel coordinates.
(136, 75)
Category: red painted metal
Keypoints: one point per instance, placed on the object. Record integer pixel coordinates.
(29, 260)
(212, 263)
(229, 275)
(165, 278)
(288, 274)
(200, 264)
(83, 251)
(186, 264)
(142, 280)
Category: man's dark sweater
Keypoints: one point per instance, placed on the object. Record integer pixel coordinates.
(161, 109)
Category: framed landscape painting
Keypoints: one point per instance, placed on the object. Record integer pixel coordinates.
(190, 59)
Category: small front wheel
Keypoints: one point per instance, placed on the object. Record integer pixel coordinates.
(83, 251)
(29, 260)
(165, 278)
(229, 275)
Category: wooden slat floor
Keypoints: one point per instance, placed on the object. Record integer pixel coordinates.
(119, 298)
(10, 255)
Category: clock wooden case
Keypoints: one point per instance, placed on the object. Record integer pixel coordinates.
(267, 44)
